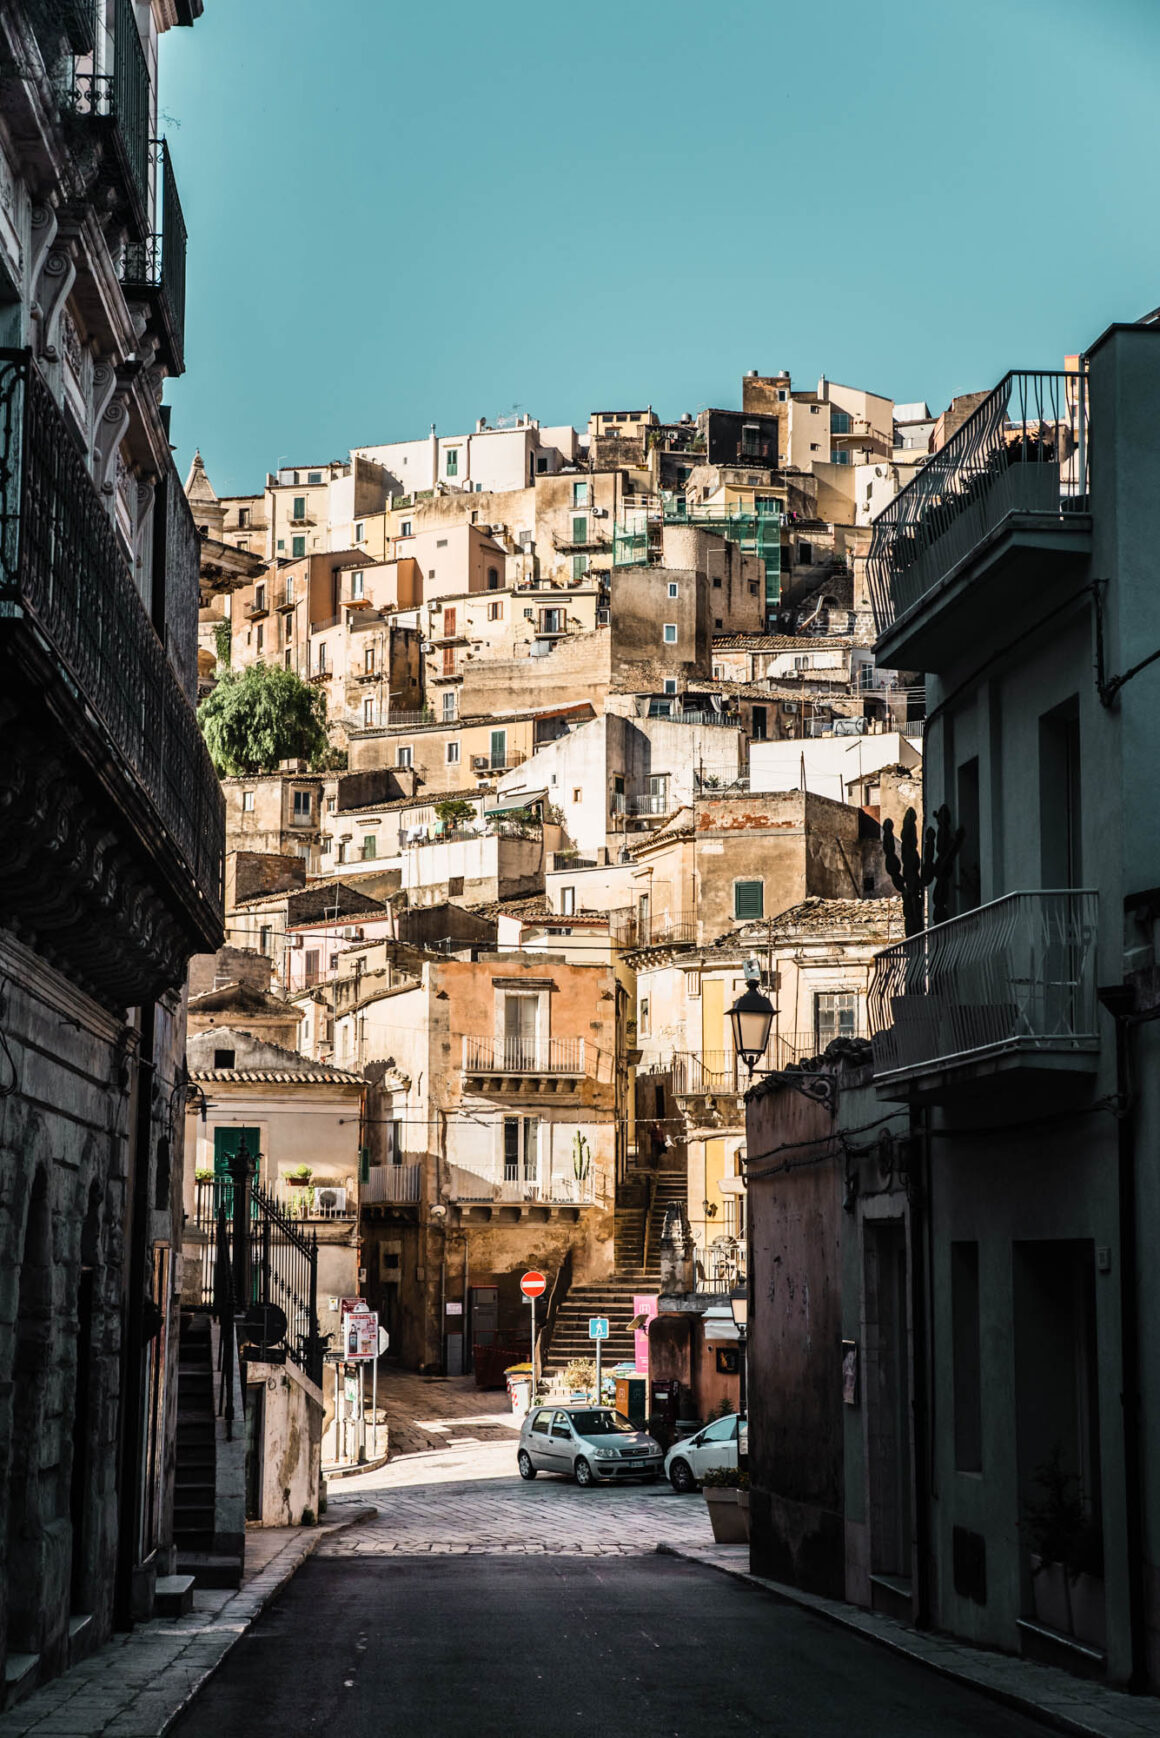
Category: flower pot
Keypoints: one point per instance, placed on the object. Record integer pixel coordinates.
(1069, 1604)
(728, 1515)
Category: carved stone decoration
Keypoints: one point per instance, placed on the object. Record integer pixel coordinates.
(44, 225)
(56, 280)
(104, 386)
(71, 347)
(677, 1253)
(109, 433)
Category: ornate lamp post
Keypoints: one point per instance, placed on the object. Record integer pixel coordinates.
(751, 1017)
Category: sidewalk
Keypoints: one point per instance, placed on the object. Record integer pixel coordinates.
(137, 1684)
(1067, 1703)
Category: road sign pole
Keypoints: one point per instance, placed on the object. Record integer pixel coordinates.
(375, 1408)
(532, 1384)
(599, 1390)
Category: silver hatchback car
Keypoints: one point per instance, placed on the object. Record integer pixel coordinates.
(592, 1444)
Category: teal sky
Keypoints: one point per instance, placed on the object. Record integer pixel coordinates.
(405, 216)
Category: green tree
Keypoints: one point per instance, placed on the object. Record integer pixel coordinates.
(257, 717)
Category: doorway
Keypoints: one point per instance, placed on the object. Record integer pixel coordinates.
(887, 1388)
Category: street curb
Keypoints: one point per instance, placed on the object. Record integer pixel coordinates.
(293, 1555)
(833, 1612)
(330, 1473)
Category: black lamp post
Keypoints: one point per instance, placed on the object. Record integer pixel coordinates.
(751, 1017)
(740, 1308)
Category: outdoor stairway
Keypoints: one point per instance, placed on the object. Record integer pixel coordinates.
(194, 1485)
(634, 1276)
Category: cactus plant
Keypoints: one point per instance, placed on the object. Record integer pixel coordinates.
(913, 872)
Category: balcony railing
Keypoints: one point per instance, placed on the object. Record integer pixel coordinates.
(1014, 977)
(314, 1200)
(397, 1183)
(119, 102)
(696, 1074)
(721, 1267)
(1024, 450)
(62, 573)
(155, 267)
(523, 1055)
(629, 929)
(655, 803)
(536, 1180)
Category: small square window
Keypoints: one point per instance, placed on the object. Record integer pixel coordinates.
(453, 754)
(495, 612)
(405, 757)
(670, 633)
(405, 528)
(224, 1058)
(672, 588)
(670, 685)
(314, 476)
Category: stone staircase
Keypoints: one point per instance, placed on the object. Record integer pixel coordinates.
(195, 1471)
(636, 1246)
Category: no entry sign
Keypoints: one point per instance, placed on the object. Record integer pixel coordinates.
(534, 1284)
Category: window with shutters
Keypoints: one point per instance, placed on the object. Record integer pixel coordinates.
(449, 660)
(453, 462)
(579, 494)
(448, 624)
(748, 900)
(368, 713)
(495, 612)
(579, 566)
(369, 661)
(580, 528)
(299, 507)
(312, 959)
(297, 546)
(369, 847)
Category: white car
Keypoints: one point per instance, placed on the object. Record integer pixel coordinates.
(712, 1449)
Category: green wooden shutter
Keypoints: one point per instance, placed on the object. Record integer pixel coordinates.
(748, 900)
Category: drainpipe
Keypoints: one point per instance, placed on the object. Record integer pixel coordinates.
(1119, 1000)
(921, 1269)
(132, 1418)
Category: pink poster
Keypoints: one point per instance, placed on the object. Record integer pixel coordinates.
(642, 1306)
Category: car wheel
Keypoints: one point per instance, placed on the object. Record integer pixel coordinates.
(524, 1462)
(583, 1472)
(681, 1477)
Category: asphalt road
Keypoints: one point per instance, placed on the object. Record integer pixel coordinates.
(571, 1647)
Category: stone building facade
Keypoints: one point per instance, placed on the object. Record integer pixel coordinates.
(111, 861)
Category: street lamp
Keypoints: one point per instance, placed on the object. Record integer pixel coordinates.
(751, 1017)
(739, 1305)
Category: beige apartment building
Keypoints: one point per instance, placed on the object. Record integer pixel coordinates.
(507, 1104)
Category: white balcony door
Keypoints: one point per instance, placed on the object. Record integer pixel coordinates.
(520, 1030)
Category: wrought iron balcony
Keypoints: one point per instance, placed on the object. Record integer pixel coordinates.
(1008, 987)
(1018, 465)
(154, 269)
(560, 1056)
(119, 105)
(72, 615)
(536, 1181)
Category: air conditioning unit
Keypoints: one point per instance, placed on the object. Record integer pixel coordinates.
(331, 1198)
(600, 512)
(480, 762)
(295, 941)
(790, 707)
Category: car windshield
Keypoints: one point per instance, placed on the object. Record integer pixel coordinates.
(599, 1422)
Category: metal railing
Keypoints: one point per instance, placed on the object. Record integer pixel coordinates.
(721, 1267)
(696, 1074)
(401, 720)
(523, 1055)
(270, 1259)
(399, 1183)
(1023, 450)
(537, 1181)
(156, 266)
(655, 803)
(317, 1199)
(122, 100)
(62, 571)
(1018, 975)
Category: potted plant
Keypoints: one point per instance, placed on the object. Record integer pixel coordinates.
(726, 1492)
(1066, 1551)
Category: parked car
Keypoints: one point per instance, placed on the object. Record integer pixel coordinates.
(712, 1449)
(592, 1444)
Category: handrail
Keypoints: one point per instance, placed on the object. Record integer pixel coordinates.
(223, 1307)
(559, 1291)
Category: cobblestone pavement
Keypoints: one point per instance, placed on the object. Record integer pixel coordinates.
(466, 1495)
